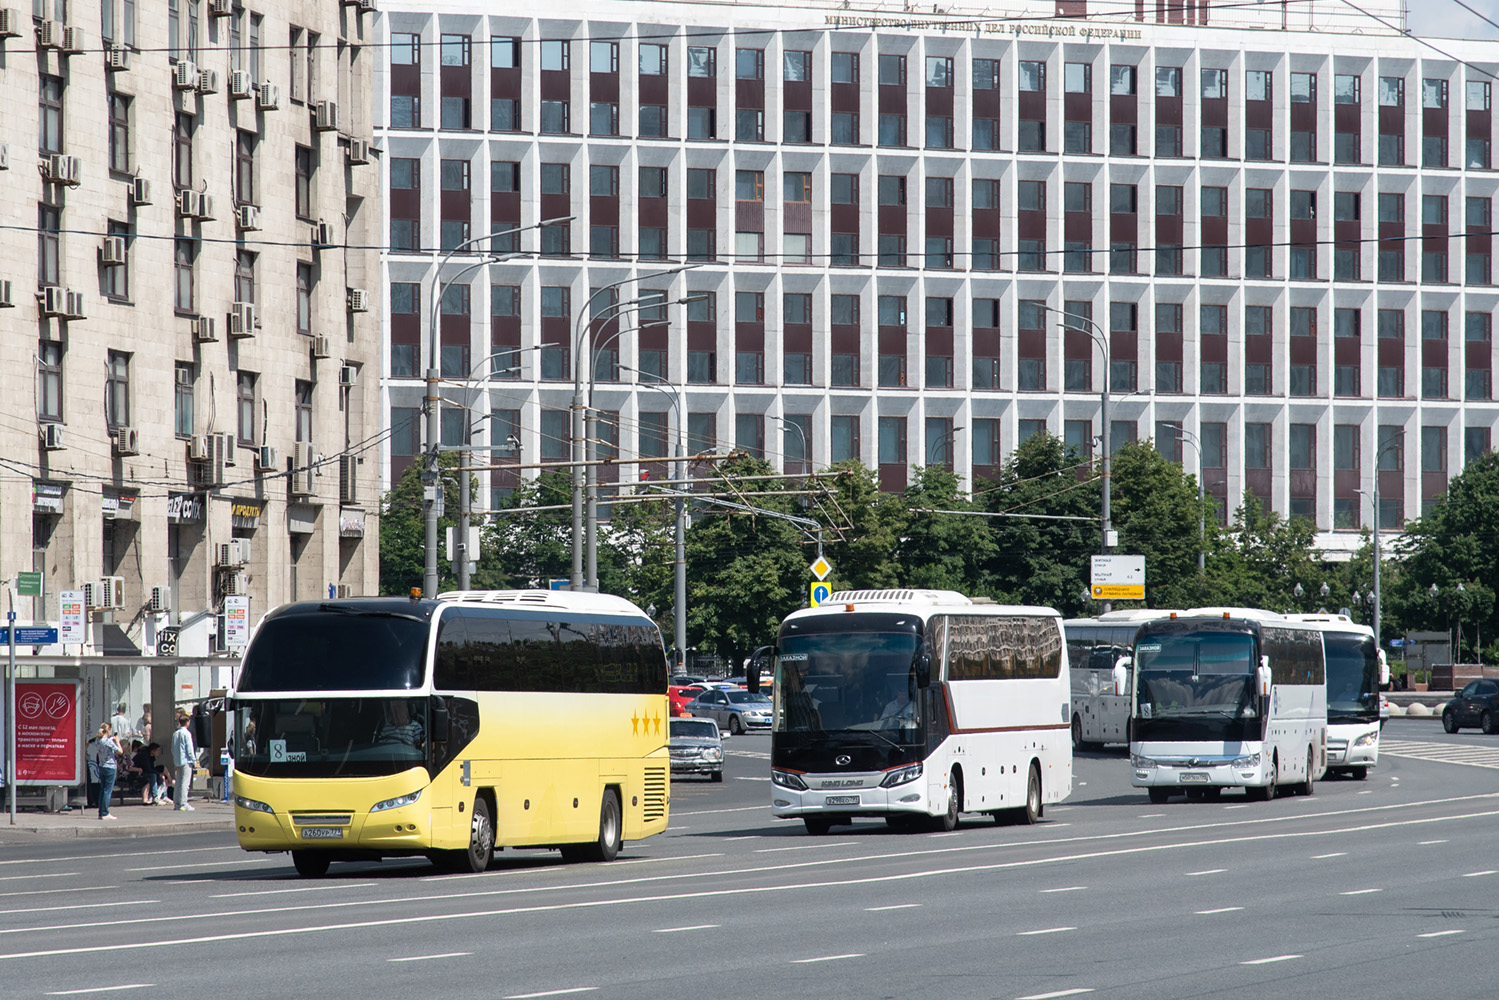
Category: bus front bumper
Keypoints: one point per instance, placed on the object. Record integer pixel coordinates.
(847, 795)
(272, 818)
(1217, 771)
(1357, 752)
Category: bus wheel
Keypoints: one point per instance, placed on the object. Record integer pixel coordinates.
(1031, 811)
(475, 857)
(817, 826)
(1308, 786)
(948, 821)
(1360, 773)
(310, 864)
(610, 839)
(1077, 733)
(1158, 796)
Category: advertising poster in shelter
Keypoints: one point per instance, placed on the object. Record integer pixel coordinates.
(49, 733)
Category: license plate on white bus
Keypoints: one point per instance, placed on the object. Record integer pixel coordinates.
(1191, 776)
(841, 800)
(322, 833)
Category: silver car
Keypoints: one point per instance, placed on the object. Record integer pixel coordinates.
(735, 710)
(696, 748)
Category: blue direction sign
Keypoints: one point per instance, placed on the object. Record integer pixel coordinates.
(39, 636)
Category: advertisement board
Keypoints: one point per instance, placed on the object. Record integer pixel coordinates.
(49, 732)
(72, 618)
(236, 622)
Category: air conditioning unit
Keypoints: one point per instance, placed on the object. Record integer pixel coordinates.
(161, 600)
(348, 376)
(235, 585)
(197, 448)
(140, 191)
(61, 169)
(359, 151)
(248, 217)
(72, 41)
(348, 480)
(228, 449)
(268, 97)
(10, 23)
(52, 437)
(105, 594)
(241, 84)
(6, 301)
(220, 8)
(344, 591)
(208, 81)
(72, 305)
(366, 5)
(322, 234)
(205, 208)
(185, 75)
(127, 441)
(229, 554)
(265, 459)
(303, 475)
(321, 346)
(205, 330)
(117, 57)
(326, 116)
(112, 253)
(359, 300)
(53, 300)
(48, 34)
(189, 204)
(242, 320)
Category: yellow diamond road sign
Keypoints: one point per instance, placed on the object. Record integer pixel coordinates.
(821, 568)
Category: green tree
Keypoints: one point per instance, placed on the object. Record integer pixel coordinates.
(403, 532)
(529, 548)
(1154, 507)
(861, 528)
(942, 551)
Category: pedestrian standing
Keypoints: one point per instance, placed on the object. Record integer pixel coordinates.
(184, 756)
(120, 724)
(106, 753)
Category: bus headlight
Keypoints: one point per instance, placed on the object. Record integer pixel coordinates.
(397, 802)
(1367, 739)
(254, 805)
(787, 779)
(1137, 761)
(901, 775)
(1245, 763)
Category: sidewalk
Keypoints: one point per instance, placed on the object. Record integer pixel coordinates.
(135, 820)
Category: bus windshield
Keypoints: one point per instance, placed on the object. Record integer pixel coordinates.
(330, 738)
(1196, 685)
(1352, 678)
(846, 681)
(343, 648)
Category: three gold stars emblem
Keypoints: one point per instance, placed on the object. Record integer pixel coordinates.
(637, 721)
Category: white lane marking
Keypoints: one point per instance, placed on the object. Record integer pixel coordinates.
(1477, 874)
(1365, 792)
(305, 888)
(1428, 843)
(750, 778)
(1322, 857)
(101, 989)
(748, 836)
(1343, 832)
(694, 927)
(544, 866)
(1046, 930)
(1066, 888)
(18, 878)
(1238, 805)
(1435, 934)
(713, 812)
(1059, 993)
(424, 958)
(806, 847)
(896, 906)
(1150, 815)
(1209, 871)
(1271, 960)
(1359, 892)
(656, 861)
(824, 958)
(50, 892)
(123, 854)
(80, 906)
(551, 993)
(1221, 909)
(203, 864)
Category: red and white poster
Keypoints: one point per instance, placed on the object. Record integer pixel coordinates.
(49, 733)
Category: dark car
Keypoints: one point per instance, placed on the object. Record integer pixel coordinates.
(1475, 705)
(696, 748)
(735, 710)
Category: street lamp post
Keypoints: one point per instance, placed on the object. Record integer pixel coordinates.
(580, 406)
(431, 480)
(1202, 523)
(679, 570)
(1098, 338)
(794, 425)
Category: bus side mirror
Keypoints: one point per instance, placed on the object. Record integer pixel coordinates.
(439, 721)
(1384, 669)
(1262, 677)
(1121, 674)
(921, 665)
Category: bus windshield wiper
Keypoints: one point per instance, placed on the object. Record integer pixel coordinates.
(344, 609)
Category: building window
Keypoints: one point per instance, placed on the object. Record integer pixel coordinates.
(119, 133)
(302, 409)
(49, 393)
(183, 254)
(304, 183)
(116, 277)
(245, 385)
(50, 133)
(304, 298)
(182, 151)
(117, 390)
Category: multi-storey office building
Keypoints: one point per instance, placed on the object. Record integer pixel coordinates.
(1272, 226)
(188, 198)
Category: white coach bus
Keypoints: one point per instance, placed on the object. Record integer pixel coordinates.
(916, 706)
(1094, 645)
(1356, 668)
(1226, 698)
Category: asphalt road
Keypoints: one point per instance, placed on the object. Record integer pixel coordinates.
(1379, 888)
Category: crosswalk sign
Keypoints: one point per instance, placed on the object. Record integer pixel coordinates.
(820, 593)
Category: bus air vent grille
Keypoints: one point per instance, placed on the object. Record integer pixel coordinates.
(653, 801)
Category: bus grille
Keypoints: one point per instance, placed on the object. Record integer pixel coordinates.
(321, 819)
(654, 797)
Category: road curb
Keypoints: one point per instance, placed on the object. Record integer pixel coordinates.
(97, 830)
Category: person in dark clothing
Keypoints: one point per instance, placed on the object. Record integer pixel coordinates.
(153, 775)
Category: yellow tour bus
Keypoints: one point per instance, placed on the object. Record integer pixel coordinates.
(384, 727)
